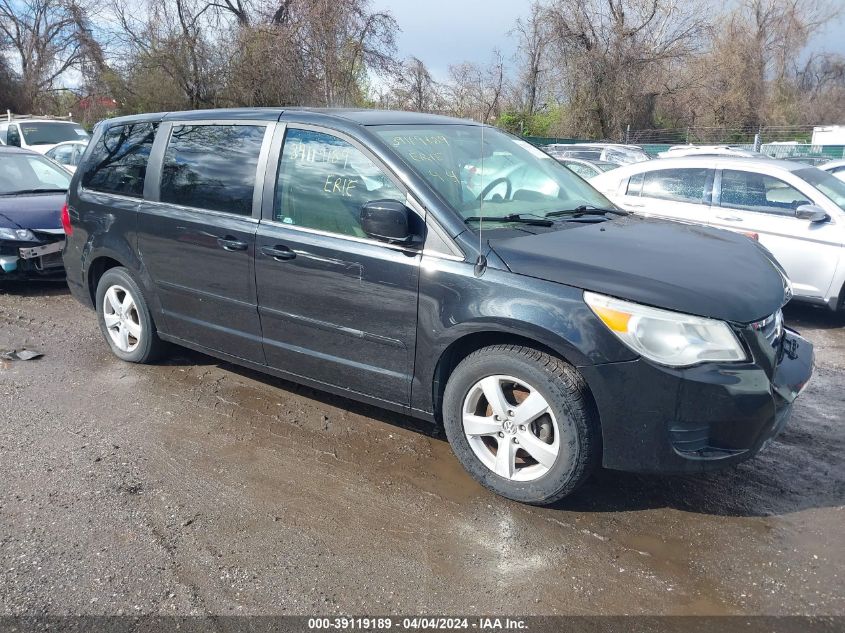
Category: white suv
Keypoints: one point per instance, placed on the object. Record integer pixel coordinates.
(38, 134)
(796, 211)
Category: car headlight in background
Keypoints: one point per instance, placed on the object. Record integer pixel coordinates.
(665, 337)
(17, 235)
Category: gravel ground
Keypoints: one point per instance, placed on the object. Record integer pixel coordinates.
(196, 487)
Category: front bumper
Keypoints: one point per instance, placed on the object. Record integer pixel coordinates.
(27, 260)
(662, 420)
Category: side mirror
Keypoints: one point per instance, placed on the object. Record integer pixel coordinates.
(811, 212)
(387, 220)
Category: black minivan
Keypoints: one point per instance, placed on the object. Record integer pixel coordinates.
(439, 268)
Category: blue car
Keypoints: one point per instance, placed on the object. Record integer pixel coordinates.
(32, 193)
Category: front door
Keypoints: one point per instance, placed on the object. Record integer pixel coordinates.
(765, 205)
(197, 236)
(335, 305)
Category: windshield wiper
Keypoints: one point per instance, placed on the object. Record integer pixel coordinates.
(585, 209)
(22, 191)
(513, 217)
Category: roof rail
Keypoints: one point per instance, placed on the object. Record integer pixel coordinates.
(40, 117)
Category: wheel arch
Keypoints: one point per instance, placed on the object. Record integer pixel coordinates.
(463, 346)
(102, 260)
(96, 269)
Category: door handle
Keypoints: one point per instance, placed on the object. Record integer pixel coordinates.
(278, 252)
(729, 218)
(230, 243)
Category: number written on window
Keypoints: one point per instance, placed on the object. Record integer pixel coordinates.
(324, 181)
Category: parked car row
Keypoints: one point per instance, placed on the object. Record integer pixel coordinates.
(39, 134)
(796, 211)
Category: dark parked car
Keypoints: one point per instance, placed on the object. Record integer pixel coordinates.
(364, 253)
(32, 193)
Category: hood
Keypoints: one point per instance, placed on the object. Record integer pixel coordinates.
(682, 267)
(37, 211)
(41, 148)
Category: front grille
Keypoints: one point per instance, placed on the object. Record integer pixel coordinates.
(770, 328)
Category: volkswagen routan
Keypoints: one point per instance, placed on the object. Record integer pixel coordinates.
(439, 268)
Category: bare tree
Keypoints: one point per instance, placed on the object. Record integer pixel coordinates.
(614, 57)
(414, 88)
(751, 74)
(478, 92)
(42, 37)
(533, 36)
(341, 41)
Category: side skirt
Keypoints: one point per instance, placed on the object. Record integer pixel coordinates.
(302, 380)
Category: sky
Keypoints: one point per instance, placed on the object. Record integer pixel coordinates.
(444, 32)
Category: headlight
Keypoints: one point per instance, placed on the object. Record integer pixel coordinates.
(668, 338)
(17, 235)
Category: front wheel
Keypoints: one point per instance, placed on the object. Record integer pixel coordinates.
(520, 422)
(125, 319)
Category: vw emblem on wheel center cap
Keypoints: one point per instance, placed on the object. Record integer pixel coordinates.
(509, 427)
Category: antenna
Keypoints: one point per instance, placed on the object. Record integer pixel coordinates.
(481, 262)
(481, 202)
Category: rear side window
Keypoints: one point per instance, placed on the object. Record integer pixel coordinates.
(118, 162)
(212, 167)
(750, 191)
(681, 185)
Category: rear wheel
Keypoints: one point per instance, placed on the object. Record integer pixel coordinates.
(520, 422)
(125, 319)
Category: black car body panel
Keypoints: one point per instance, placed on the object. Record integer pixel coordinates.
(385, 323)
(627, 258)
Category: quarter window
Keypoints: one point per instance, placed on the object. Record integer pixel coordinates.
(118, 162)
(323, 182)
(635, 185)
(757, 192)
(681, 185)
(212, 167)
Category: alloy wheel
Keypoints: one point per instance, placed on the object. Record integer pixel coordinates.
(121, 318)
(511, 428)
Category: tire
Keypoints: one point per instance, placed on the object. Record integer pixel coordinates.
(141, 343)
(529, 472)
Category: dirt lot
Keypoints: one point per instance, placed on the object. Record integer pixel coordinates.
(199, 487)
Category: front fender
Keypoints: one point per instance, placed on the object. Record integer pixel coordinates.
(455, 304)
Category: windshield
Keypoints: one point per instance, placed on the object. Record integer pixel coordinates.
(828, 184)
(51, 132)
(30, 173)
(502, 176)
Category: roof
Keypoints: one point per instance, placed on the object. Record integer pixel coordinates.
(709, 160)
(832, 164)
(36, 119)
(359, 116)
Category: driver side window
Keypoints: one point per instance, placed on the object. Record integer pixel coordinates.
(324, 181)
